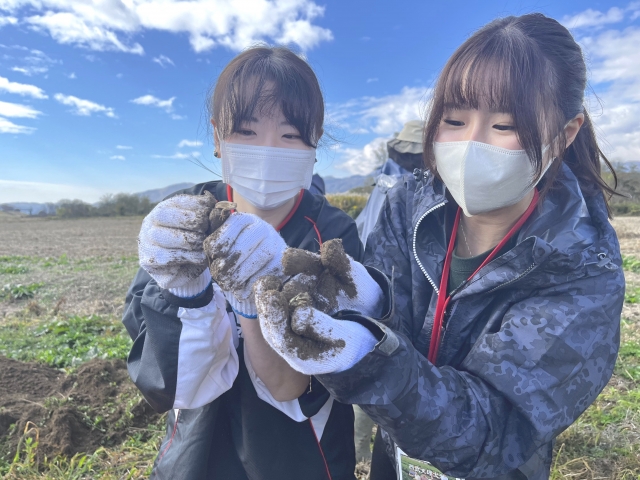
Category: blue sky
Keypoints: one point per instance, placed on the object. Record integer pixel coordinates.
(104, 96)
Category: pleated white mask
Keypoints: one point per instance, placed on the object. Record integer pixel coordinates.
(266, 177)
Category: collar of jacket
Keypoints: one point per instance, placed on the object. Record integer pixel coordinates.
(567, 237)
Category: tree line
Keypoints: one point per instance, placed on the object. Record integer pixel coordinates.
(118, 205)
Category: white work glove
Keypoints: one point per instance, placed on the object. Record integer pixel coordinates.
(170, 243)
(242, 250)
(309, 340)
(333, 279)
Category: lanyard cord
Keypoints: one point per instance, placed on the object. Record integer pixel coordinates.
(443, 297)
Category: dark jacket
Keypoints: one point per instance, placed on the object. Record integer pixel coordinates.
(528, 344)
(238, 435)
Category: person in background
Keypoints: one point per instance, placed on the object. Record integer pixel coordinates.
(405, 155)
(237, 411)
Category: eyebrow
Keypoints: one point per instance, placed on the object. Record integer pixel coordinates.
(454, 106)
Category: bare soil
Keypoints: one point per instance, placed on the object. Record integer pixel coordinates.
(68, 413)
(77, 238)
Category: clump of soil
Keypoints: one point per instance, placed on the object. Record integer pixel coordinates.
(74, 413)
(219, 215)
(296, 260)
(325, 276)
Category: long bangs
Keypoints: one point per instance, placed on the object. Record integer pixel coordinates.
(501, 69)
(262, 79)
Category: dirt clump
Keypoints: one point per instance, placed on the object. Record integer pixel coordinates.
(326, 276)
(95, 406)
(296, 260)
(219, 215)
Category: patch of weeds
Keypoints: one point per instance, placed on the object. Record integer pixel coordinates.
(632, 295)
(13, 269)
(630, 263)
(19, 291)
(65, 343)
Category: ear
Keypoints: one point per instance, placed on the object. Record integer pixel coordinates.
(573, 127)
(216, 142)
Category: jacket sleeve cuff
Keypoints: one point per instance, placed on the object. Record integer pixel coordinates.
(387, 340)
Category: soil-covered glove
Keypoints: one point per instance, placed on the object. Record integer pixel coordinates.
(309, 340)
(170, 240)
(333, 279)
(242, 250)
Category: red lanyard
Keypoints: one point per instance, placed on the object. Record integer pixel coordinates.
(443, 298)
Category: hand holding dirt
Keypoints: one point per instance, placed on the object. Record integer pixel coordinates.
(333, 280)
(171, 236)
(310, 341)
(243, 249)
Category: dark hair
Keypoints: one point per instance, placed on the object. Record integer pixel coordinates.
(261, 78)
(532, 68)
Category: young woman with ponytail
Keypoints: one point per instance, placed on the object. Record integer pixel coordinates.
(496, 323)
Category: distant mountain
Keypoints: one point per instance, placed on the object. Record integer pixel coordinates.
(341, 185)
(158, 194)
(33, 208)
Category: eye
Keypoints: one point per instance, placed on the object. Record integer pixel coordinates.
(454, 123)
(245, 132)
(504, 128)
(292, 136)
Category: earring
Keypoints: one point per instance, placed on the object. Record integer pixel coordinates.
(216, 154)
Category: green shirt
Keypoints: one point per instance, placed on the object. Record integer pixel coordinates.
(462, 268)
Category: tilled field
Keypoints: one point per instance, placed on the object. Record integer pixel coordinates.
(64, 389)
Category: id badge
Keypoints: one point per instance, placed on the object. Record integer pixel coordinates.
(412, 469)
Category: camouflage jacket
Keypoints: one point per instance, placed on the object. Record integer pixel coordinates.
(529, 341)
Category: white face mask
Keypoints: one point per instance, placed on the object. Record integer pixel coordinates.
(266, 177)
(482, 177)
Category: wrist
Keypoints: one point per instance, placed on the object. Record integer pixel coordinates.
(194, 288)
(246, 308)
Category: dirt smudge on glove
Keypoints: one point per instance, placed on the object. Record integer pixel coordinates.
(306, 342)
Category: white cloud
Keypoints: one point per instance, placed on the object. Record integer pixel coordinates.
(614, 61)
(9, 127)
(17, 110)
(380, 115)
(84, 107)
(22, 191)
(371, 80)
(175, 116)
(593, 18)
(178, 156)
(234, 24)
(21, 89)
(362, 161)
(117, 157)
(31, 70)
(190, 143)
(72, 76)
(152, 101)
(35, 62)
(8, 21)
(123, 147)
(163, 61)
